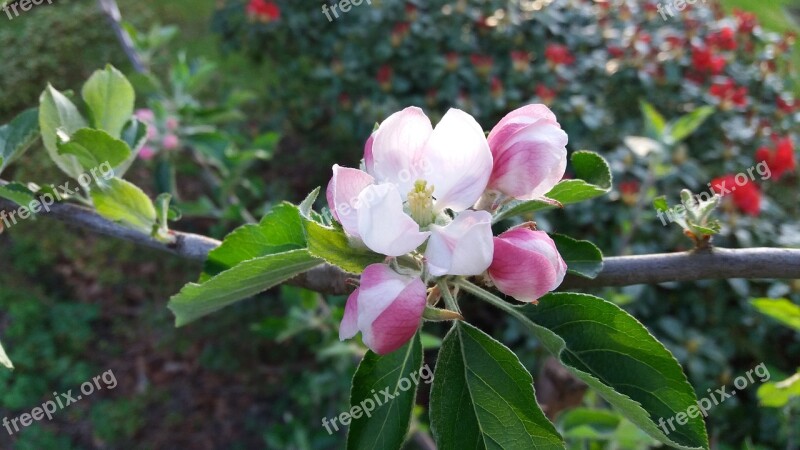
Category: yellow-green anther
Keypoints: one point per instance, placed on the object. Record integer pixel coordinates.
(420, 203)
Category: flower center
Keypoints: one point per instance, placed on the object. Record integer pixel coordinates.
(420, 203)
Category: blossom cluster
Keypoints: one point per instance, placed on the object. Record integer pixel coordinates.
(426, 196)
(161, 135)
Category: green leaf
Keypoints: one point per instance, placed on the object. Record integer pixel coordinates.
(333, 246)
(585, 423)
(17, 135)
(582, 257)
(17, 193)
(135, 135)
(281, 230)
(58, 114)
(654, 121)
(782, 310)
(779, 394)
(660, 203)
(95, 148)
(684, 126)
(593, 179)
(4, 358)
(245, 280)
(124, 202)
(307, 206)
(615, 354)
(482, 397)
(110, 98)
(397, 374)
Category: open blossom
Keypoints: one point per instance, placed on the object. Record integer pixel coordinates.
(386, 309)
(413, 174)
(526, 264)
(530, 153)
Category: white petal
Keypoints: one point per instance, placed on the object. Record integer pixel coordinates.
(397, 148)
(342, 194)
(458, 160)
(383, 225)
(463, 247)
(349, 326)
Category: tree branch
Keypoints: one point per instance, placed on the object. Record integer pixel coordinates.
(715, 263)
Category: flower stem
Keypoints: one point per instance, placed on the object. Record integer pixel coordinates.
(449, 300)
(488, 297)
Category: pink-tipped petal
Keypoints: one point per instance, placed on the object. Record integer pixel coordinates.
(530, 162)
(457, 161)
(518, 119)
(397, 148)
(349, 326)
(463, 247)
(399, 322)
(342, 195)
(383, 225)
(390, 307)
(529, 151)
(526, 264)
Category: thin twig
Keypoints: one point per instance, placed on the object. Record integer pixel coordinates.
(111, 10)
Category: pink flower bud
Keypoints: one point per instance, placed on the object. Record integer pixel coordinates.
(530, 153)
(526, 264)
(386, 309)
(172, 124)
(171, 142)
(145, 115)
(146, 153)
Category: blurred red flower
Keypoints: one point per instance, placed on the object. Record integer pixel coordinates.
(384, 77)
(729, 94)
(781, 159)
(704, 60)
(558, 54)
(546, 94)
(263, 10)
(724, 39)
(785, 106)
(746, 21)
(746, 197)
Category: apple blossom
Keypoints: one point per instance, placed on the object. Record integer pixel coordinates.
(526, 264)
(171, 142)
(387, 309)
(530, 154)
(414, 175)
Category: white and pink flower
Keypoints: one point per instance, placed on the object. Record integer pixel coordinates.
(417, 194)
(414, 174)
